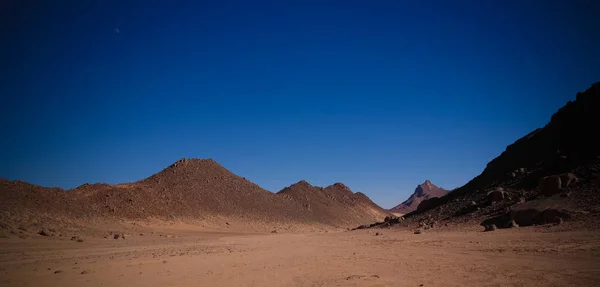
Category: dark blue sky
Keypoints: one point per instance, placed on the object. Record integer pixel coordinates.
(380, 95)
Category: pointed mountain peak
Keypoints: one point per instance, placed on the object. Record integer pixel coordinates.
(340, 185)
(423, 191)
(303, 183)
(298, 187)
(339, 189)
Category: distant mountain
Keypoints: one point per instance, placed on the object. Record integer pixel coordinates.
(192, 189)
(333, 204)
(423, 191)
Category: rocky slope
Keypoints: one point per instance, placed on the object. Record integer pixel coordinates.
(423, 191)
(329, 202)
(188, 189)
(511, 181)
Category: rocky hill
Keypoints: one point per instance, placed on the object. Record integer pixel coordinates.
(518, 181)
(330, 202)
(189, 189)
(423, 191)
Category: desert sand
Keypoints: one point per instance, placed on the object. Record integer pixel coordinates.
(179, 255)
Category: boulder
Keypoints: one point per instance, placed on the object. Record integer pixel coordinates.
(568, 179)
(491, 227)
(540, 211)
(392, 219)
(534, 212)
(496, 195)
(45, 232)
(551, 185)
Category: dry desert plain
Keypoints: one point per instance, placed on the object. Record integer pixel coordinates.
(188, 255)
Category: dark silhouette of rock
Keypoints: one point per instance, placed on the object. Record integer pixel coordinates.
(428, 204)
(567, 141)
(498, 194)
(551, 185)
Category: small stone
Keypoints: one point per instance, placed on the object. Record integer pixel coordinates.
(491, 227)
(355, 277)
(117, 236)
(418, 231)
(58, 271)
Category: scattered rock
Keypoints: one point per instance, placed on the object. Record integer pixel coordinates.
(558, 220)
(534, 212)
(392, 219)
(429, 203)
(274, 231)
(352, 277)
(568, 179)
(551, 185)
(418, 231)
(491, 227)
(58, 271)
(496, 195)
(377, 233)
(117, 236)
(540, 211)
(45, 232)
(87, 271)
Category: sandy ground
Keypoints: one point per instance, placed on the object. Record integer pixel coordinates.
(517, 257)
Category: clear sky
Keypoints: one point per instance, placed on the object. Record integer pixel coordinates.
(380, 95)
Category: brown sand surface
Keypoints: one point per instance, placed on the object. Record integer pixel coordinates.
(188, 256)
